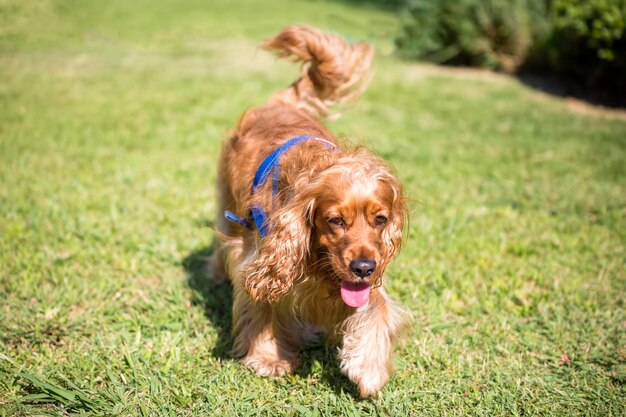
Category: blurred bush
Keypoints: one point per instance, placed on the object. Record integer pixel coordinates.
(596, 25)
(496, 34)
(583, 40)
(588, 42)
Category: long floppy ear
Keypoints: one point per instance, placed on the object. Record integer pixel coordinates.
(392, 235)
(282, 254)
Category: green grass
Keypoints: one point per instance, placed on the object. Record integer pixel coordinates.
(111, 119)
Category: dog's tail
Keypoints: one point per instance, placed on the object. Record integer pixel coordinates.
(334, 71)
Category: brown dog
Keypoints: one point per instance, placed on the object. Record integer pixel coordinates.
(319, 223)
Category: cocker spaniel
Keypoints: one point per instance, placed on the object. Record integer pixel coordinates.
(306, 226)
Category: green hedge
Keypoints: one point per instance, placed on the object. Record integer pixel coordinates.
(596, 25)
(583, 40)
(588, 42)
(495, 34)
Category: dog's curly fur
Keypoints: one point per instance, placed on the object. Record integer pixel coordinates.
(334, 206)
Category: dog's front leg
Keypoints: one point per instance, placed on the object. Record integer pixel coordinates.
(260, 339)
(368, 340)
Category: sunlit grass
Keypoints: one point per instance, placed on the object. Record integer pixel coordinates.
(111, 119)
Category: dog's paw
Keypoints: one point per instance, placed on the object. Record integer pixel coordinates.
(369, 389)
(369, 380)
(215, 269)
(268, 367)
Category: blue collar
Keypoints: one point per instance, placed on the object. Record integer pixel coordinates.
(271, 162)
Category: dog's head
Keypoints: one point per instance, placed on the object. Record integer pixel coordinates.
(357, 225)
(344, 224)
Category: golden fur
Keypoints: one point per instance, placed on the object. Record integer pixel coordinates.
(334, 206)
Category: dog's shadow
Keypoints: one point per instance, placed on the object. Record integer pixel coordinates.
(318, 364)
(215, 298)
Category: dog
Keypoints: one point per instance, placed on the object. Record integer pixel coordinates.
(306, 226)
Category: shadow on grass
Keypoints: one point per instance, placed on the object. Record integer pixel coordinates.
(565, 87)
(389, 5)
(216, 299)
(318, 363)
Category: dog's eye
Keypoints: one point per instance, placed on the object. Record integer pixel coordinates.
(336, 221)
(380, 220)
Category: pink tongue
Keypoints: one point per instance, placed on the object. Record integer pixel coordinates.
(353, 294)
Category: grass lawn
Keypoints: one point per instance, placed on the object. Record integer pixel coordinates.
(111, 119)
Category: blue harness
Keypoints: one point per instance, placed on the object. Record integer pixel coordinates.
(271, 162)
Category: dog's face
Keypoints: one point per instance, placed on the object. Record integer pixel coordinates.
(356, 228)
(344, 225)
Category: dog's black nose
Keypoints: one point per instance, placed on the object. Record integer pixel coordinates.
(363, 267)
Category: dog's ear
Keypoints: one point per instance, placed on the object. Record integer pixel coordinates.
(392, 235)
(282, 254)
